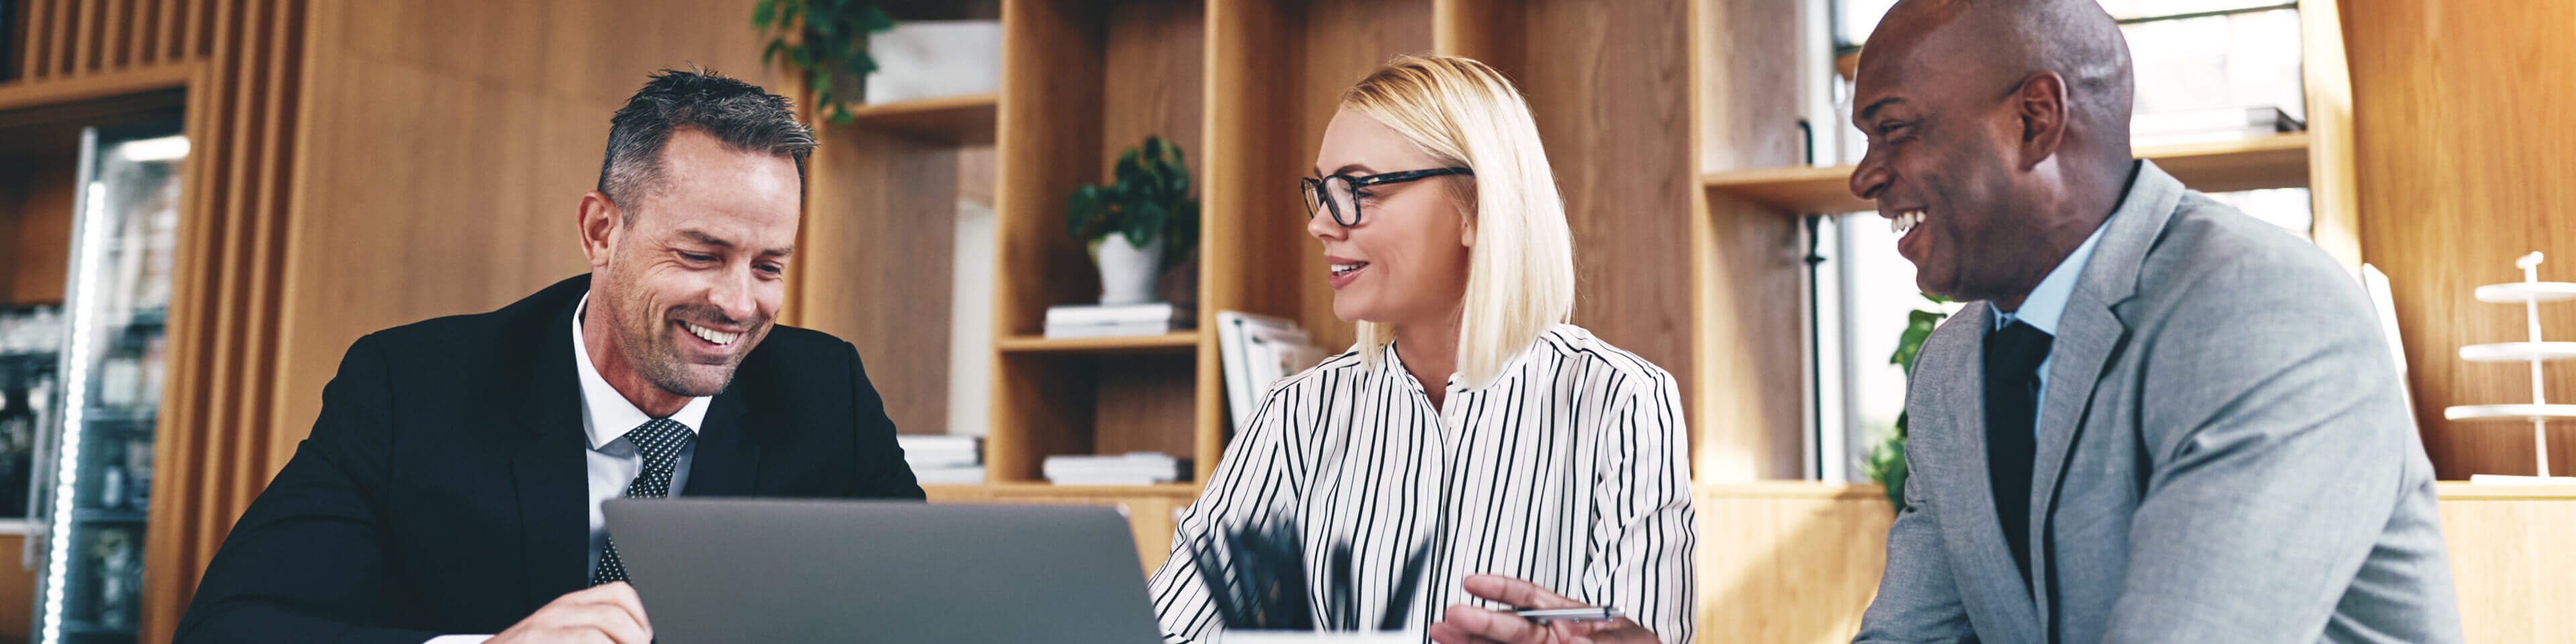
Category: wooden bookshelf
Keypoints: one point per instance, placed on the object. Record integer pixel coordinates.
(2277, 161)
(956, 120)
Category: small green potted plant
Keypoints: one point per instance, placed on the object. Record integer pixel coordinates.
(1886, 463)
(1143, 222)
(827, 41)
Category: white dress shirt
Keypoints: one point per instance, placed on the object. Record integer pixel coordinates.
(2047, 302)
(606, 416)
(1570, 470)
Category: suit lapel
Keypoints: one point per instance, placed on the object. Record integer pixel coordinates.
(2089, 334)
(728, 458)
(1954, 432)
(549, 471)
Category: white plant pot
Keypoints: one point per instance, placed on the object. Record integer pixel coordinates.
(1127, 273)
(1305, 637)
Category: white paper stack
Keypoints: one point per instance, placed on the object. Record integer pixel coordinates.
(935, 58)
(1133, 468)
(2219, 124)
(940, 459)
(1258, 350)
(1095, 321)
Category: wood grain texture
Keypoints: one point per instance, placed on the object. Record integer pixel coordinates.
(1797, 562)
(1745, 277)
(39, 217)
(1608, 85)
(215, 446)
(2462, 168)
(2276, 161)
(1051, 79)
(878, 248)
(443, 171)
(1081, 83)
(1788, 563)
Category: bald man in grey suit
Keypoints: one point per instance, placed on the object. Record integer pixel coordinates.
(2161, 420)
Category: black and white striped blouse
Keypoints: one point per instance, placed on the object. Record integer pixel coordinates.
(1570, 470)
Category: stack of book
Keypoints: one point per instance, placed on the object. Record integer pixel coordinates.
(941, 459)
(1096, 321)
(1133, 468)
(2219, 124)
(1257, 351)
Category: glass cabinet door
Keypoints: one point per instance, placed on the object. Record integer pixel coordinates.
(92, 500)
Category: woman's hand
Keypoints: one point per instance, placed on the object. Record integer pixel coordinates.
(1464, 624)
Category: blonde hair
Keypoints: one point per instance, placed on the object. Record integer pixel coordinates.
(1520, 278)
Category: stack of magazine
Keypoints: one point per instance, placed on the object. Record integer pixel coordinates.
(1257, 351)
(943, 459)
(1133, 468)
(1098, 321)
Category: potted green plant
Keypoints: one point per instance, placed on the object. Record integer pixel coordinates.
(1141, 223)
(1886, 463)
(827, 40)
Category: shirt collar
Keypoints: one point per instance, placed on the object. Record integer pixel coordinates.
(607, 415)
(2047, 302)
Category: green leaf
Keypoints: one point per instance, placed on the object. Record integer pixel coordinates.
(874, 18)
(1144, 223)
(762, 13)
(841, 114)
(822, 84)
(803, 55)
(769, 56)
(1154, 148)
(1082, 211)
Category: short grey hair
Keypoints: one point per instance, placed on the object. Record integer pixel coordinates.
(742, 115)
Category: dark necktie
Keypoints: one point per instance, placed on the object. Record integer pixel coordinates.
(659, 441)
(2012, 356)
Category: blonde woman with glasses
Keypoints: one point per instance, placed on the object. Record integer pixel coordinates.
(1533, 465)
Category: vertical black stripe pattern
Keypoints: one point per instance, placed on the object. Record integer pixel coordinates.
(1570, 470)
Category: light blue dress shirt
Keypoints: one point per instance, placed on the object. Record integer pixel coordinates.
(2047, 303)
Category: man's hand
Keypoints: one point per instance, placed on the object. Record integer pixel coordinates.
(609, 613)
(1464, 624)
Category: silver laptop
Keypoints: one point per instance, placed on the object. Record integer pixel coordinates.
(762, 570)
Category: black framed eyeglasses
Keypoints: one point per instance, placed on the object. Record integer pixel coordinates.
(1339, 194)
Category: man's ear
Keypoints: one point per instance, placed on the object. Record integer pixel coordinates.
(598, 219)
(2040, 105)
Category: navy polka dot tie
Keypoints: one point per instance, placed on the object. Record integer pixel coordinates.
(659, 441)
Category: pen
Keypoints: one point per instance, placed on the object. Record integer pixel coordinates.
(1589, 614)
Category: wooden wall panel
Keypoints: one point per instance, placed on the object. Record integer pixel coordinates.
(1608, 85)
(450, 145)
(2463, 166)
(1788, 562)
(242, 108)
(1746, 276)
(66, 39)
(1797, 562)
(41, 232)
(877, 251)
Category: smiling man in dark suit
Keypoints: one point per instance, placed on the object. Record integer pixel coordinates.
(453, 482)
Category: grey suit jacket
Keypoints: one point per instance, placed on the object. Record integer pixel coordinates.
(2224, 456)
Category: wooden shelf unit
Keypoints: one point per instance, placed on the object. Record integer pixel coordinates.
(2277, 161)
(1248, 89)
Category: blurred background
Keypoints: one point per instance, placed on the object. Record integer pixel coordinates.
(204, 202)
